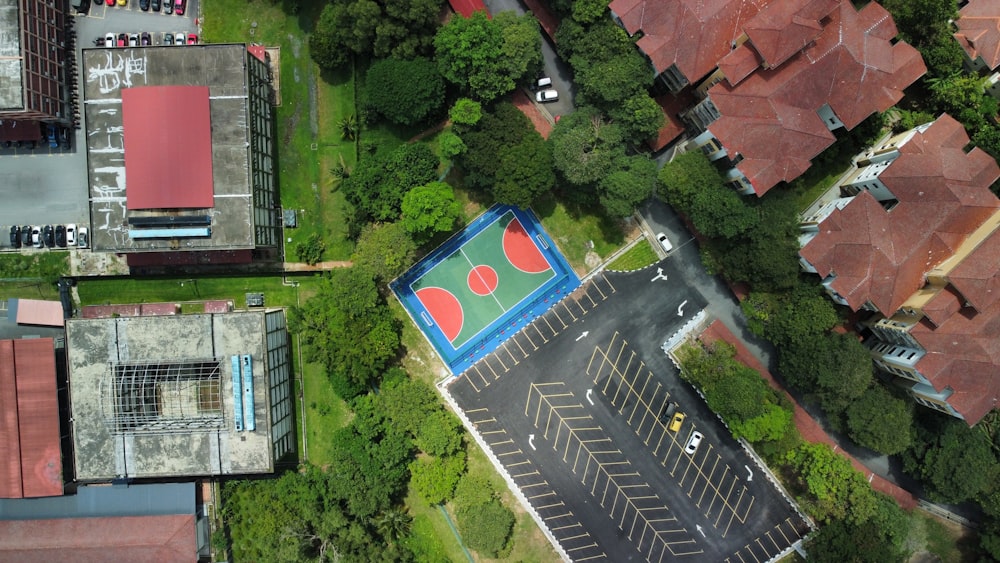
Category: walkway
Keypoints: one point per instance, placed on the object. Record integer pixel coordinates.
(807, 426)
(318, 267)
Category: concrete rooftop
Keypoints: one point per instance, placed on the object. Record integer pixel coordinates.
(95, 346)
(222, 68)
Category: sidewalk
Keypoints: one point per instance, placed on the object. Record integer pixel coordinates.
(807, 426)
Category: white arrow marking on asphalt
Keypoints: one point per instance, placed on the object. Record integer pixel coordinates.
(659, 275)
(680, 308)
(530, 438)
(700, 531)
(750, 478)
(582, 335)
(589, 400)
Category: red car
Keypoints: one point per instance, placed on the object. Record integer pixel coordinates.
(111, 2)
(179, 7)
(192, 39)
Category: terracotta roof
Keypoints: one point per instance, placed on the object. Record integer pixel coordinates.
(882, 256)
(691, 34)
(979, 31)
(39, 312)
(137, 539)
(466, 8)
(963, 353)
(30, 455)
(976, 277)
(770, 117)
(786, 26)
(672, 125)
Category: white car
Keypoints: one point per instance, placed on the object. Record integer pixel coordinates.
(110, 40)
(82, 238)
(179, 39)
(542, 83)
(71, 234)
(544, 96)
(664, 242)
(693, 442)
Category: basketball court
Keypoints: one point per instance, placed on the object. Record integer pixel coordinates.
(484, 285)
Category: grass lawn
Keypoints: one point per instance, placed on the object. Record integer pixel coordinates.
(574, 230)
(945, 541)
(154, 290)
(639, 256)
(32, 275)
(431, 537)
(309, 143)
(325, 413)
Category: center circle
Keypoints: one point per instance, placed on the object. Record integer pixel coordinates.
(482, 280)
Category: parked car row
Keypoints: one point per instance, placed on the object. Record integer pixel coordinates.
(544, 92)
(144, 39)
(62, 236)
(168, 6)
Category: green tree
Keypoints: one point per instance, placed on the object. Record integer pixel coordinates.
(451, 145)
(384, 249)
(880, 421)
(393, 524)
(834, 369)
(639, 115)
(877, 540)
(626, 186)
(381, 28)
(474, 490)
(311, 250)
(525, 172)
(378, 183)
(348, 328)
(920, 21)
(434, 478)
(406, 92)
(430, 209)
(466, 112)
(799, 315)
(489, 57)
(440, 433)
(828, 487)
(486, 528)
(953, 461)
(682, 178)
(585, 146)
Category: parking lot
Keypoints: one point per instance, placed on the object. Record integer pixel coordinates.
(48, 186)
(574, 409)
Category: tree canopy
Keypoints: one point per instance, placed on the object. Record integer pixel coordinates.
(430, 209)
(379, 181)
(348, 328)
(405, 92)
(488, 57)
(828, 486)
(628, 184)
(880, 421)
(585, 146)
(954, 462)
(381, 28)
(384, 249)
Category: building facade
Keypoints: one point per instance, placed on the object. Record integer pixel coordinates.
(34, 50)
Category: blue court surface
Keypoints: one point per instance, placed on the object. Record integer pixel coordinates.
(484, 284)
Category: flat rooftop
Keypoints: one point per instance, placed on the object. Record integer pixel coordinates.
(109, 75)
(11, 92)
(153, 396)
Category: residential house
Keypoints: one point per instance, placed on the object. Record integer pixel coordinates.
(978, 33)
(916, 239)
(785, 76)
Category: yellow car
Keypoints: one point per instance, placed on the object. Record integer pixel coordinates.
(675, 423)
(122, 2)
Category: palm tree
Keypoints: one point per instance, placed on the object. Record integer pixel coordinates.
(393, 524)
(349, 127)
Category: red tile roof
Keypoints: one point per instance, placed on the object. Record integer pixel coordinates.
(770, 117)
(137, 539)
(691, 34)
(976, 277)
(882, 256)
(786, 26)
(979, 31)
(182, 177)
(963, 353)
(466, 8)
(672, 125)
(30, 456)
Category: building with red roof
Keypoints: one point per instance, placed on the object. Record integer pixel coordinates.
(774, 78)
(916, 238)
(979, 34)
(30, 456)
(180, 146)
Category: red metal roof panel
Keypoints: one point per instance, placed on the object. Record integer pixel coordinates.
(38, 420)
(176, 117)
(38, 312)
(10, 439)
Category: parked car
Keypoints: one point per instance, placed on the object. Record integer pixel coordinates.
(51, 135)
(677, 421)
(122, 40)
(192, 39)
(122, 2)
(545, 96)
(156, 5)
(133, 39)
(111, 2)
(26, 235)
(693, 441)
(83, 237)
(36, 237)
(664, 242)
(61, 236)
(179, 38)
(15, 236)
(109, 40)
(542, 83)
(71, 234)
(168, 6)
(179, 7)
(81, 6)
(168, 38)
(49, 236)
(145, 39)
(144, 5)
